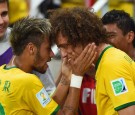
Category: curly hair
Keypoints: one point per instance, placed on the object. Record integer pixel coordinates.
(28, 30)
(121, 19)
(79, 25)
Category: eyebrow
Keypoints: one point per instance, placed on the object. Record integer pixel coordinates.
(62, 45)
(112, 33)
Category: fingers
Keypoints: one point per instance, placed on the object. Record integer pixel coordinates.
(65, 60)
(83, 62)
(88, 55)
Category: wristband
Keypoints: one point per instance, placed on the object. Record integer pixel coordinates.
(76, 81)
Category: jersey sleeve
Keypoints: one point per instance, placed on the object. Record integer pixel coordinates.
(38, 100)
(119, 84)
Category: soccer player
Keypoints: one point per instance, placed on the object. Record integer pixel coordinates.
(121, 29)
(87, 104)
(21, 92)
(72, 30)
(6, 51)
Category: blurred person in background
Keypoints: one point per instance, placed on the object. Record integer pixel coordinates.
(121, 29)
(5, 48)
(46, 5)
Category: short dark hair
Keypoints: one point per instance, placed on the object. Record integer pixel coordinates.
(121, 19)
(79, 25)
(29, 30)
(2, 1)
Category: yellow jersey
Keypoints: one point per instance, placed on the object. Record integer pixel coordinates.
(23, 94)
(115, 81)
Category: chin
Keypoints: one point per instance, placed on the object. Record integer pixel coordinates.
(1, 35)
(41, 70)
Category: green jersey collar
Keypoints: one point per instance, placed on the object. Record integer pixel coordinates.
(100, 57)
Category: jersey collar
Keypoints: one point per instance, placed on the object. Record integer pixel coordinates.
(100, 57)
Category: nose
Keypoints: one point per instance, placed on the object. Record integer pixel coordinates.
(63, 53)
(51, 54)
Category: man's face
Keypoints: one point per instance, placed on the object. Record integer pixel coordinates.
(66, 49)
(4, 19)
(42, 56)
(117, 38)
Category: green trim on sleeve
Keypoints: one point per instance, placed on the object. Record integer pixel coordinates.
(8, 68)
(98, 61)
(124, 106)
(56, 110)
(1, 110)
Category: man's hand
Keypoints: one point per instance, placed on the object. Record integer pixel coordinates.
(83, 62)
(66, 67)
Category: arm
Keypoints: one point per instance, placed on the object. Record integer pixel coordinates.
(71, 104)
(58, 79)
(61, 91)
(63, 86)
(127, 111)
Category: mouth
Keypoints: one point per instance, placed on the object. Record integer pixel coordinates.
(49, 60)
(2, 28)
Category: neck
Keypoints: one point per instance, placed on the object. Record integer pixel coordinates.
(11, 63)
(17, 61)
(100, 48)
(131, 52)
(2, 38)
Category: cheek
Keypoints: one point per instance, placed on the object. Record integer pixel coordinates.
(78, 51)
(6, 19)
(113, 40)
(40, 58)
(63, 52)
(44, 56)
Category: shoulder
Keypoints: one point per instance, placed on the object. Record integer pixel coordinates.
(31, 79)
(117, 57)
(25, 79)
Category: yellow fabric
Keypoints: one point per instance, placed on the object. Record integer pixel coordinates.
(127, 7)
(115, 67)
(118, 5)
(18, 94)
(72, 3)
(17, 9)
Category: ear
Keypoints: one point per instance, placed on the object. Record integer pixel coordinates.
(130, 36)
(31, 48)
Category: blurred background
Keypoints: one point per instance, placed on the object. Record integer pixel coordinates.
(38, 8)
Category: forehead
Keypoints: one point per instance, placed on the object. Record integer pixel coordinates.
(61, 40)
(3, 6)
(112, 28)
(46, 42)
